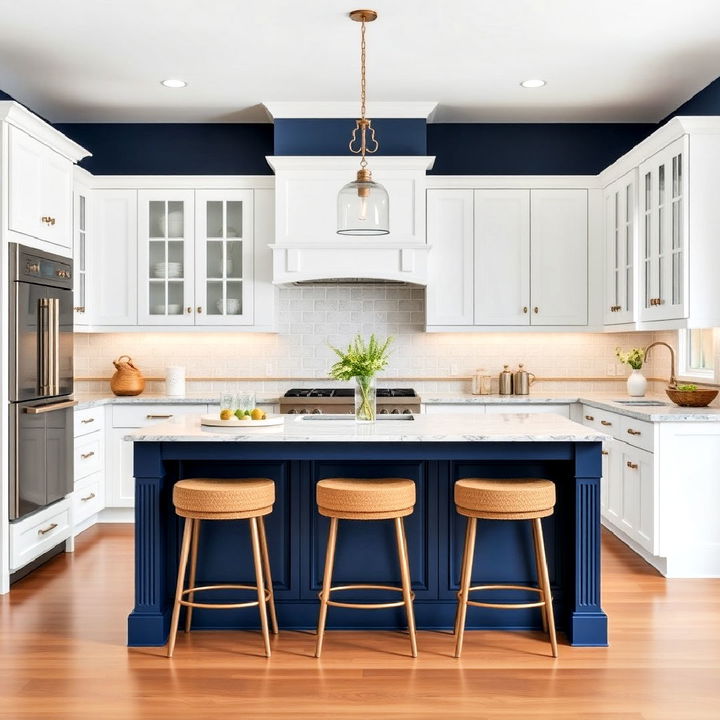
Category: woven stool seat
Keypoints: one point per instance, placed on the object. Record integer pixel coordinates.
(506, 499)
(365, 499)
(221, 499)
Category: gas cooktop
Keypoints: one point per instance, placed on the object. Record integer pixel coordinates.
(348, 393)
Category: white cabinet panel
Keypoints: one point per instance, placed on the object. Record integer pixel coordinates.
(449, 298)
(56, 199)
(502, 257)
(119, 480)
(559, 237)
(612, 479)
(638, 496)
(113, 271)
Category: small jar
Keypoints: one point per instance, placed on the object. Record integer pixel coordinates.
(481, 382)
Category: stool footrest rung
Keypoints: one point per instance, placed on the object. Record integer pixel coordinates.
(504, 606)
(221, 605)
(363, 605)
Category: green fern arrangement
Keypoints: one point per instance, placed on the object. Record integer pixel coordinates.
(361, 359)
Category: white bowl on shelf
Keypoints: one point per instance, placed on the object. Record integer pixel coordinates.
(172, 309)
(173, 270)
(231, 306)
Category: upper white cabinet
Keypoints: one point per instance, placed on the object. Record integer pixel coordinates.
(82, 234)
(166, 257)
(528, 254)
(620, 200)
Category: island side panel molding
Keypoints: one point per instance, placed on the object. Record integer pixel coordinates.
(588, 623)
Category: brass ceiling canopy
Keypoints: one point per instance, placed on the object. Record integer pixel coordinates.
(363, 15)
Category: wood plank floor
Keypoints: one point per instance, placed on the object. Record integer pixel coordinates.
(62, 656)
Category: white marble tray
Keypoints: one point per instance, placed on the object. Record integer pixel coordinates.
(215, 421)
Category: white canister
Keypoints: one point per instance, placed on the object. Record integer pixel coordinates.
(175, 381)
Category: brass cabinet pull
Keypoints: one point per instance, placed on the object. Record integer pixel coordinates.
(44, 531)
(158, 417)
(48, 220)
(79, 309)
(589, 417)
(199, 309)
(536, 310)
(605, 452)
(87, 455)
(89, 497)
(605, 422)
(87, 420)
(634, 432)
(632, 465)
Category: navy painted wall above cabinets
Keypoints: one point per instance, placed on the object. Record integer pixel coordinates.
(310, 136)
(706, 102)
(530, 149)
(173, 148)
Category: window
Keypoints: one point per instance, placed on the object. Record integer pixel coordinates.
(697, 355)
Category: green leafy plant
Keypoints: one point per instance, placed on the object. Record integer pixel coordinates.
(362, 361)
(633, 357)
(687, 388)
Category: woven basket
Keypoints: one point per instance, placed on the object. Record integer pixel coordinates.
(127, 380)
(692, 398)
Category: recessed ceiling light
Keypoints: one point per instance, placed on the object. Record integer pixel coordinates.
(174, 83)
(533, 83)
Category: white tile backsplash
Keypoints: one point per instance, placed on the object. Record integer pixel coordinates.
(312, 317)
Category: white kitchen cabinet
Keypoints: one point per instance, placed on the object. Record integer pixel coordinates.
(112, 272)
(40, 184)
(502, 257)
(81, 250)
(638, 496)
(166, 257)
(620, 244)
(663, 229)
(558, 256)
(224, 256)
(88, 496)
(449, 295)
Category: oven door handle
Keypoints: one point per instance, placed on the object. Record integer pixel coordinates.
(43, 345)
(54, 345)
(49, 408)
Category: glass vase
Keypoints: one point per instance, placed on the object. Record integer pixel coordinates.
(365, 398)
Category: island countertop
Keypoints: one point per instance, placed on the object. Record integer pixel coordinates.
(441, 427)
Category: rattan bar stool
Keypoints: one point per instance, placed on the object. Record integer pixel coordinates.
(200, 499)
(366, 499)
(514, 499)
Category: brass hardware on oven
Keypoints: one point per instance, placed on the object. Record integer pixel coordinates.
(40, 409)
(44, 531)
(634, 432)
(632, 465)
(89, 497)
(590, 417)
(605, 422)
(85, 456)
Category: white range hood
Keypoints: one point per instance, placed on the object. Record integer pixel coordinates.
(307, 247)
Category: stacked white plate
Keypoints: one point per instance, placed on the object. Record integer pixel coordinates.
(173, 269)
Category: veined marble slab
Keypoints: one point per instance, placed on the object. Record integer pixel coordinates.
(443, 427)
(88, 400)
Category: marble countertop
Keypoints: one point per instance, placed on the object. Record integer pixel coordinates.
(88, 400)
(442, 427)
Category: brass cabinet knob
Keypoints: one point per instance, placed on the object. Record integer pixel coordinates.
(605, 422)
(605, 452)
(589, 417)
(199, 309)
(525, 309)
(632, 465)
(536, 310)
(189, 310)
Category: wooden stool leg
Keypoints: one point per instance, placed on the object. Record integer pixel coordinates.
(468, 556)
(462, 581)
(327, 583)
(262, 604)
(545, 584)
(268, 575)
(184, 552)
(406, 582)
(193, 571)
(538, 567)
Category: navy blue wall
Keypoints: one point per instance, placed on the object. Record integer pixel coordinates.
(706, 102)
(303, 136)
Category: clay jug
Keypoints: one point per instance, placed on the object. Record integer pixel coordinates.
(127, 380)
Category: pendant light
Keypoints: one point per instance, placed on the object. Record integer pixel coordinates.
(363, 204)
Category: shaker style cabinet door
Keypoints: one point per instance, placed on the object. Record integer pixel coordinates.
(558, 257)
(81, 234)
(663, 233)
(224, 257)
(620, 243)
(502, 257)
(166, 259)
(450, 262)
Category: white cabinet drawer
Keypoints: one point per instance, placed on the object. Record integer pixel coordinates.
(132, 416)
(88, 455)
(88, 498)
(607, 422)
(89, 420)
(31, 537)
(637, 432)
(527, 408)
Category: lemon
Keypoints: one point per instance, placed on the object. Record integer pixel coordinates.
(226, 414)
(257, 414)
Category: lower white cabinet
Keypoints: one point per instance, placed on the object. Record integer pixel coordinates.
(638, 496)
(88, 496)
(36, 534)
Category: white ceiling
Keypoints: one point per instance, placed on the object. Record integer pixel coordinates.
(604, 60)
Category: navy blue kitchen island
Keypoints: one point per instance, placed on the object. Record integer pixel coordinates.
(433, 451)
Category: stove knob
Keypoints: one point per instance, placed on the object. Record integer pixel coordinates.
(407, 412)
(304, 411)
(384, 411)
(317, 411)
(292, 411)
(394, 411)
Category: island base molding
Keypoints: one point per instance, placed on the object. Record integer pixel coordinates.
(297, 534)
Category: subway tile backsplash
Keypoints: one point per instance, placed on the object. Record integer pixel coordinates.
(313, 318)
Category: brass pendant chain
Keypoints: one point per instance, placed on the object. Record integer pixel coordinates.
(363, 93)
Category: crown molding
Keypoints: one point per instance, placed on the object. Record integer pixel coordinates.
(348, 163)
(349, 109)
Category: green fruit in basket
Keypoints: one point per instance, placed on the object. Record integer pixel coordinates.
(240, 414)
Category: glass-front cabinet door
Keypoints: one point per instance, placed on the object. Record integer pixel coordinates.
(620, 244)
(224, 257)
(165, 257)
(81, 217)
(663, 233)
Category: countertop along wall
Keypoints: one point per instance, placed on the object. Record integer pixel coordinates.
(312, 317)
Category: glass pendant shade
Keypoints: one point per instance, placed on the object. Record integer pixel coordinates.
(363, 208)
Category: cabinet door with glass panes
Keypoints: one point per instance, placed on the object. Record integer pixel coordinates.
(663, 233)
(620, 243)
(224, 257)
(166, 230)
(81, 220)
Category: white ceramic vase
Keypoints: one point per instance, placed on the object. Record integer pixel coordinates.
(636, 384)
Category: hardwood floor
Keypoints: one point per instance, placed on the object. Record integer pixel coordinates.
(62, 656)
